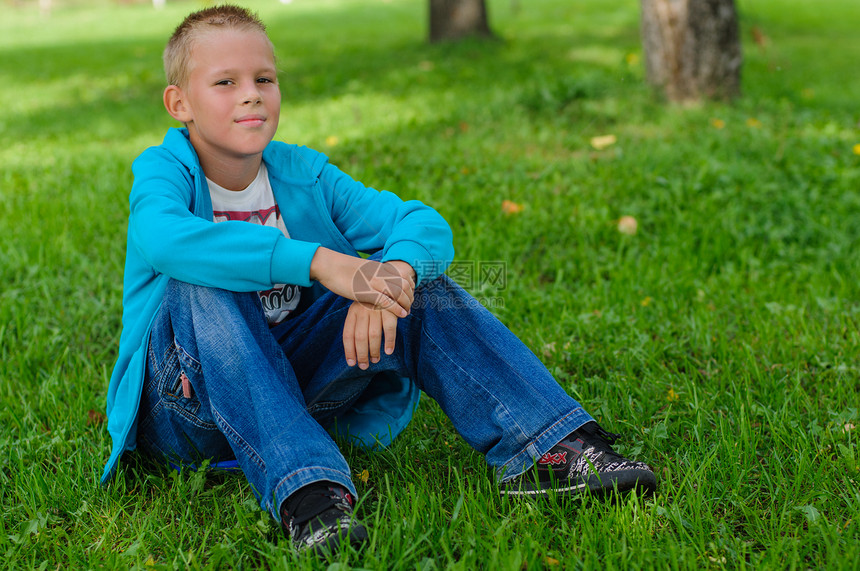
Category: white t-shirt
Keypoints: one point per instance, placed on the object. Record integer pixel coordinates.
(256, 204)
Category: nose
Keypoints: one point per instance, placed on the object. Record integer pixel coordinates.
(252, 95)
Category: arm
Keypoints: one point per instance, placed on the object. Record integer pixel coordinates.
(373, 284)
(365, 327)
(229, 255)
(416, 243)
(373, 220)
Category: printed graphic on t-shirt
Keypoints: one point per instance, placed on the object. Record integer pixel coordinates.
(254, 216)
(256, 204)
(279, 301)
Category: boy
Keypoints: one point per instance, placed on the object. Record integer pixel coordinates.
(251, 327)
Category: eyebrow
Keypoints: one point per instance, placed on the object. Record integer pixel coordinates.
(231, 71)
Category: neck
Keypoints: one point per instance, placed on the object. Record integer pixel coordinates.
(233, 174)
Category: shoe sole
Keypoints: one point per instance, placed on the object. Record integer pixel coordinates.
(620, 481)
(355, 537)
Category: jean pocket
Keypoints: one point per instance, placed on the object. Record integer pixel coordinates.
(176, 391)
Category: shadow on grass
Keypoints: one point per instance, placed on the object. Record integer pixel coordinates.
(109, 89)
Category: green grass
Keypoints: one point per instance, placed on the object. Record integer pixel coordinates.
(722, 339)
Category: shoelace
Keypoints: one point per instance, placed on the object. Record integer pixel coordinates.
(609, 437)
(601, 439)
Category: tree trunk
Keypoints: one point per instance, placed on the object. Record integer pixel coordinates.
(455, 19)
(692, 48)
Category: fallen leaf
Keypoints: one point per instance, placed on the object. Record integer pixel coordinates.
(632, 58)
(511, 207)
(628, 225)
(672, 396)
(603, 141)
(550, 561)
(365, 476)
(331, 140)
(95, 417)
(426, 65)
(758, 36)
(718, 123)
(646, 301)
(857, 149)
(754, 123)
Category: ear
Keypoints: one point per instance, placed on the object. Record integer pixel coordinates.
(174, 102)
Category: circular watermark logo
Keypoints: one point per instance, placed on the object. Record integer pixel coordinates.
(375, 272)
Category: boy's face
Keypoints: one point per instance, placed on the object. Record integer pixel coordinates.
(231, 101)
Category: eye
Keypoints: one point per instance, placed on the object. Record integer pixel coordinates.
(265, 80)
(224, 82)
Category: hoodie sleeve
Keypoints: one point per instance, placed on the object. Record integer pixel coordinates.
(373, 220)
(175, 242)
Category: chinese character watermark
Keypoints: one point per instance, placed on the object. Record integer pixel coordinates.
(485, 280)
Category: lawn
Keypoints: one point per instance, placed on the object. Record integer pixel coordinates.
(721, 338)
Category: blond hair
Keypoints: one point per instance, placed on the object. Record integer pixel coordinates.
(177, 53)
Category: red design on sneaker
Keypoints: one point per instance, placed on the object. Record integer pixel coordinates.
(553, 459)
(582, 462)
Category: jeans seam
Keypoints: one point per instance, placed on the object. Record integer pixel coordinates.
(478, 383)
(316, 325)
(157, 363)
(329, 405)
(189, 415)
(234, 436)
(181, 352)
(145, 422)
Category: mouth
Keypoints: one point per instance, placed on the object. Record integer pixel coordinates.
(251, 120)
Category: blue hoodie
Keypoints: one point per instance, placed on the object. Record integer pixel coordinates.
(171, 234)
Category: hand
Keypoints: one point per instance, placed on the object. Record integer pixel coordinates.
(404, 269)
(377, 285)
(363, 332)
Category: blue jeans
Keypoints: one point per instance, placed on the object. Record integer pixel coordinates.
(265, 396)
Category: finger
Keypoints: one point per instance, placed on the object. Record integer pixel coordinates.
(361, 325)
(407, 289)
(397, 286)
(374, 335)
(400, 290)
(407, 297)
(378, 300)
(389, 326)
(382, 285)
(349, 338)
(410, 292)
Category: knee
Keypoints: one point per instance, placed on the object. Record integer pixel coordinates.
(212, 300)
(179, 289)
(442, 293)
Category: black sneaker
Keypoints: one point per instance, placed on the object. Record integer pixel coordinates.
(319, 518)
(583, 462)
